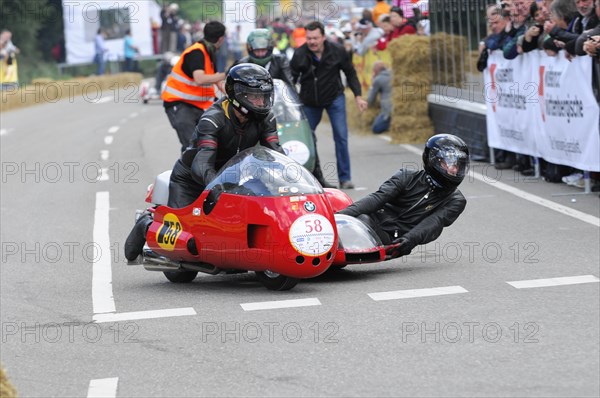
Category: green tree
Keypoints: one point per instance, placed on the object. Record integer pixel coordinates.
(201, 10)
(24, 19)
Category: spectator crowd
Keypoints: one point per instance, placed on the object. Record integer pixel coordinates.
(553, 26)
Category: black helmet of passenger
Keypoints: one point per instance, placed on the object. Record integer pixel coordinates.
(250, 89)
(260, 39)
(446, 160)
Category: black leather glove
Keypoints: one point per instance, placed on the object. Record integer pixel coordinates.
(399, 247)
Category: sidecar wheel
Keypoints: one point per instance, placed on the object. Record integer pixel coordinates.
(274, 281)
(180, 276)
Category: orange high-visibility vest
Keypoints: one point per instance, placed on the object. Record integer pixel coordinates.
(299, 37)
(180, 87)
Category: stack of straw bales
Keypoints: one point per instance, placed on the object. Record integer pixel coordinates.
(449, 54)
(6, 389)
(411, 70)
(47, 90)
(411, 63)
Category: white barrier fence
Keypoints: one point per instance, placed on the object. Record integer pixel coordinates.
(544, 107)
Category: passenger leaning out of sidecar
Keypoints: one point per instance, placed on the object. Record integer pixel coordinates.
(236, 122)
(412, 207)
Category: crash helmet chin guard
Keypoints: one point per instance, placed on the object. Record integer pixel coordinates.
(260, 39)
(249, 88)
(446, 160)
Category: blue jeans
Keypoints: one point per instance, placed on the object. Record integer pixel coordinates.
(99, 60)
(381, 124)
(130, 65)
(337, 115)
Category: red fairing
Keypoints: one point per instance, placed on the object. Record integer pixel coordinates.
(294, 236)
(339, 199)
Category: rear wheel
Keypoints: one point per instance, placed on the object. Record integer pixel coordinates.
(180, 276)
(274, 281)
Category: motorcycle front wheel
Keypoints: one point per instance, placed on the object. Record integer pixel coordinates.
(274, 281)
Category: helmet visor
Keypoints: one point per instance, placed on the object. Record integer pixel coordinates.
(259, 99)
(451, 162)
(259, 42)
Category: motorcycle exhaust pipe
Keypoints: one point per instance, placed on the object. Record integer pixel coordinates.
(155, 262)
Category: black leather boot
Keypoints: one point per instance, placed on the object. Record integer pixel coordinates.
(137, 237)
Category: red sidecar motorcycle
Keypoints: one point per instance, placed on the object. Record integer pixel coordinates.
(264, 213)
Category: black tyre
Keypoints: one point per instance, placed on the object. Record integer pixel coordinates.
(180, 276)
(274, 281)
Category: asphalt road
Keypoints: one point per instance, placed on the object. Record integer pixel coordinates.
(62, 219)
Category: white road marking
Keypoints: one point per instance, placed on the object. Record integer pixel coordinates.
(3, 131)
(113, 129)
(104, 154)
(567, 280)
(385, 138)
(104, 99)
(134, 114)
(102, 294)
(360, 188)
(480, 196)
(269, 305)
(579, 215)
(403, 294)
(103, 175)
(108, 139)
(103, 388)
(131, 316)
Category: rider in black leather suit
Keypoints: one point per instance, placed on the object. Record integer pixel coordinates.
(230, 125)
(412, 207)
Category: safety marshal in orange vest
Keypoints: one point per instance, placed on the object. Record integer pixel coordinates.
(190, 88)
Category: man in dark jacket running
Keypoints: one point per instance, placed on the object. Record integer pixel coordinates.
(413, 207)
(317, 65)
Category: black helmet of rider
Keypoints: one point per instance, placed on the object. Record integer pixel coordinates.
(260, 39)
(249, 87)
(446, 160)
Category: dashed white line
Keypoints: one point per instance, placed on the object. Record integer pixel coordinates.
(3, 132)
(102, 293)
(113, 129)
(104, 99)
(595, 221)
(106, 388)
(103, 176)
(134, 114)
(269, 305)
(104, 154)
(567, 280)
(108, 139)
(403, 294)
(131, 316)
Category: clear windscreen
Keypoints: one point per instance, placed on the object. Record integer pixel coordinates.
(259, 171)
(287, 106)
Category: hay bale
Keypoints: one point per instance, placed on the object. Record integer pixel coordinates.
(359, 122)
(6, 389)
(449, 51)
(410, 53)
(411, 85)
(48, 91)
